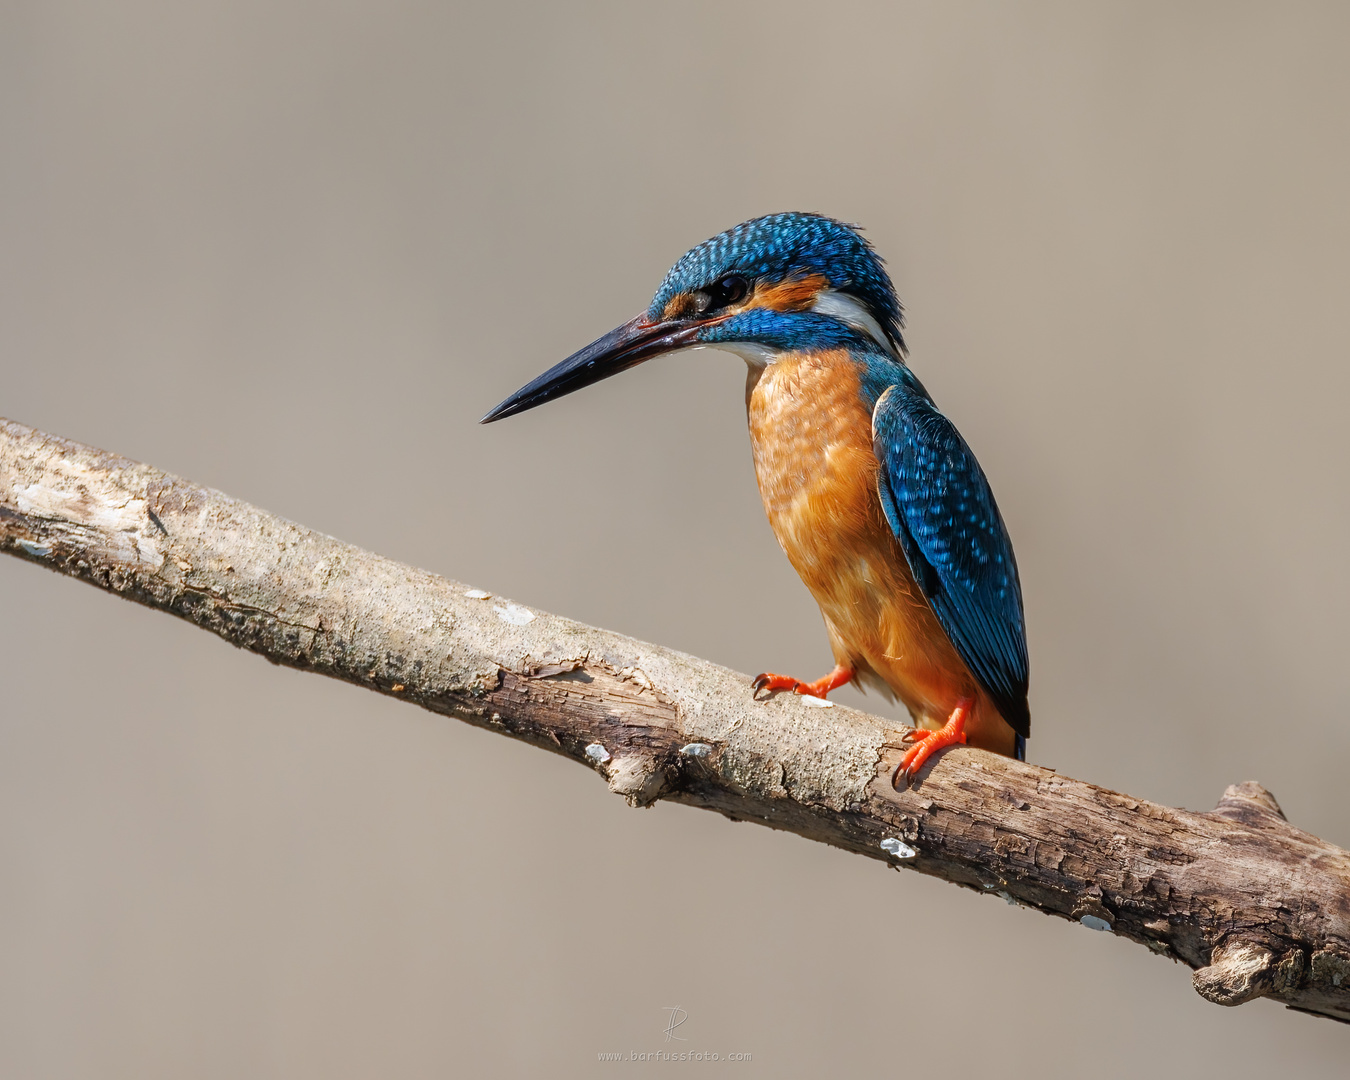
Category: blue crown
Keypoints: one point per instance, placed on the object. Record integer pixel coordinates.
(782, 246)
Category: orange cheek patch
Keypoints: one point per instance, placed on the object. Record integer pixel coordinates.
(794, 294)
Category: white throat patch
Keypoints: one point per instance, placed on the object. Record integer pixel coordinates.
(754, 354)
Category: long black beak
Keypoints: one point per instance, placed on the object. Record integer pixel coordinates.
(624, 347)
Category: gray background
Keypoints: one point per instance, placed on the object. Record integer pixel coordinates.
(294, 250)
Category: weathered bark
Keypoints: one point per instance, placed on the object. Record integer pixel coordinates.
(1258, 907)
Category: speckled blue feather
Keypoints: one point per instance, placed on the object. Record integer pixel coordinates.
(782, 246)
(940, 506)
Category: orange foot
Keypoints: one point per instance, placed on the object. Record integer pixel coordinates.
(835, 679)
(930, 742)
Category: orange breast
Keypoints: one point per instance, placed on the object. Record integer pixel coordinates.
(812, 440)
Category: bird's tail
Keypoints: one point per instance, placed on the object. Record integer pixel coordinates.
(1020, 748)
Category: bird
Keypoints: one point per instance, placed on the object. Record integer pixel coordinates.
(873, 494)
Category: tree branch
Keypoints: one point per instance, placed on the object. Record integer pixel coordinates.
(1258, 907)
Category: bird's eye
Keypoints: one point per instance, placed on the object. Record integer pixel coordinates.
(723, 293)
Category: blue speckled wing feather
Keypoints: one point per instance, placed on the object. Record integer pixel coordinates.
(939, 504)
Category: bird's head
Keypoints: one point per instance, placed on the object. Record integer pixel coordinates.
(782, 283)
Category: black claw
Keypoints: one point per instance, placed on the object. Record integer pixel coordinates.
(761, 681)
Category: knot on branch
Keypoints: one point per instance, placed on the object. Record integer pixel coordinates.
(1242, 970)
(639, 778)
(1249, 803)
(1237, 972)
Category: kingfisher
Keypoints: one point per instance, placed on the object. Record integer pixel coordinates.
(873, 494)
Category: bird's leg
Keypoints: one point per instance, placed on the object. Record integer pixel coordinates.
(927, 743)
(835, 679)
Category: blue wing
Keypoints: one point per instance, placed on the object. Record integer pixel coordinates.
(939, 505)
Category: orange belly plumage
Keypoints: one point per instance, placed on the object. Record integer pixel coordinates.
(811, 435)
